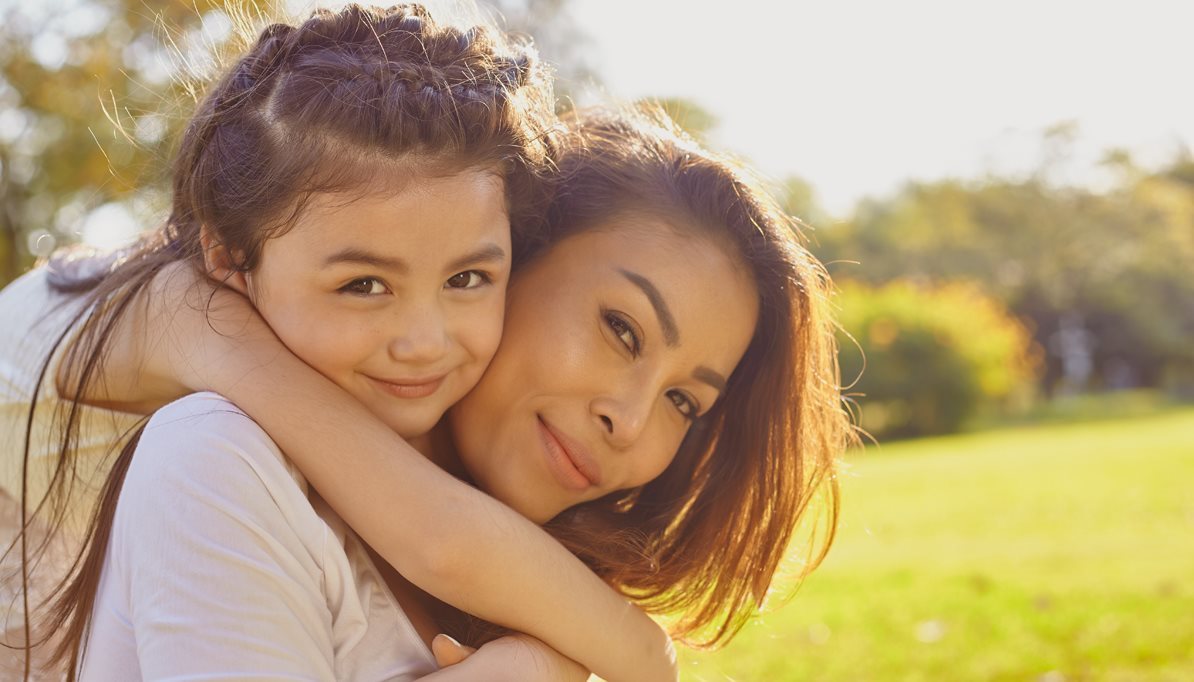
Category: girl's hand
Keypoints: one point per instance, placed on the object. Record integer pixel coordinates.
(514, 658)
(204, 335)
(183, 333)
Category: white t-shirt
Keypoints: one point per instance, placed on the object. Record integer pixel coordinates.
(219, 566)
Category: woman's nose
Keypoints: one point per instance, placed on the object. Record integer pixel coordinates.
(419, 335)
(624, 415)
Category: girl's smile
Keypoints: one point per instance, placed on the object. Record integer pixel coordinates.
(397, 296)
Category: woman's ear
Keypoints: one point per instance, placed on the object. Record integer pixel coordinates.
(219, 263)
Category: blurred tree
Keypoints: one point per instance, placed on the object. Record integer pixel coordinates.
(87, 99)
(933, 356)
(692, 117)
(799, 199)
(93, 92)
(1107, 267)
(561, 41)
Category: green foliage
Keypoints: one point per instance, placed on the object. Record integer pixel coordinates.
(90, 94)
(1112, 264)
(692, 117)
(933, 355)
(1045, 553)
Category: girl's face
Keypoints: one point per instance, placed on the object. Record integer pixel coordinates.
(397, 297)
(616, 339)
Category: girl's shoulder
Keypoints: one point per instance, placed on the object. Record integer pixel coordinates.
(203, 443)
(208, 436)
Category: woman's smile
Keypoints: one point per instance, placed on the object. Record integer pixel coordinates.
(572, 465)
(615, 341)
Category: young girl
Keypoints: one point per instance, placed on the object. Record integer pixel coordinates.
(362, 141)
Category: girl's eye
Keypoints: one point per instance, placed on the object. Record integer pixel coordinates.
(685, 404)
(469, 279)
(622, 329)
(364, 286)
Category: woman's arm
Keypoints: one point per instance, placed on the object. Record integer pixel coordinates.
(449, 537)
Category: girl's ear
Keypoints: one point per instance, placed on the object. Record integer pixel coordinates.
(219, 264)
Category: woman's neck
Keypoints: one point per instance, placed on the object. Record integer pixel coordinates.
(423, 610)
(437, 446)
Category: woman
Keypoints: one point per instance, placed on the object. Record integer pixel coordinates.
(671, 308)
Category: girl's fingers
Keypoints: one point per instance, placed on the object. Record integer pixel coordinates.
(448, 651)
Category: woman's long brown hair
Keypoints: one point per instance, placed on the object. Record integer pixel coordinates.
(706, 538)
(313, 107)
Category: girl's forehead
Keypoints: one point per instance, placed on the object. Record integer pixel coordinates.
(429, 219)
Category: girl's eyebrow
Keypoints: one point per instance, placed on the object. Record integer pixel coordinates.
(486, 253)
(364, 257)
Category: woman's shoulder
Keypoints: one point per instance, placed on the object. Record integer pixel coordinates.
(35, 316)
(28, 301)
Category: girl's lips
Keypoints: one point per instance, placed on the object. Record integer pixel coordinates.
(410, 388)
(570, 464)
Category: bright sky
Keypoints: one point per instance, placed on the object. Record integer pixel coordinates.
(857, 97)
(860, 96)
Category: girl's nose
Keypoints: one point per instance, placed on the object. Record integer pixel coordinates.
(419, 336)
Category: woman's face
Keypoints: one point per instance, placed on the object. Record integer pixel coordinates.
(397, 297)
(616, 339)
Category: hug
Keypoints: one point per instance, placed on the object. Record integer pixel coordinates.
(413, 356)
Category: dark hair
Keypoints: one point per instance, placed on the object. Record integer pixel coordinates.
(705, 538)
(314, 107)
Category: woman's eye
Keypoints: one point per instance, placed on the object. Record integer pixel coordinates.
(364, 286)
(686, 405)
(469, 279)
(624, 331)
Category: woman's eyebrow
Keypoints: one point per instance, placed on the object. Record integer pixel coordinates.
(710, 377)
(671, 334)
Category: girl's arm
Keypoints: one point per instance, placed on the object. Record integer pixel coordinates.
(451, 540)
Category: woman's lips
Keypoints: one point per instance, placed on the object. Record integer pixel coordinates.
(568, 460)
(410, 388)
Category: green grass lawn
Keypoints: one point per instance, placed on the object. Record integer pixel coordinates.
(1051, 553)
